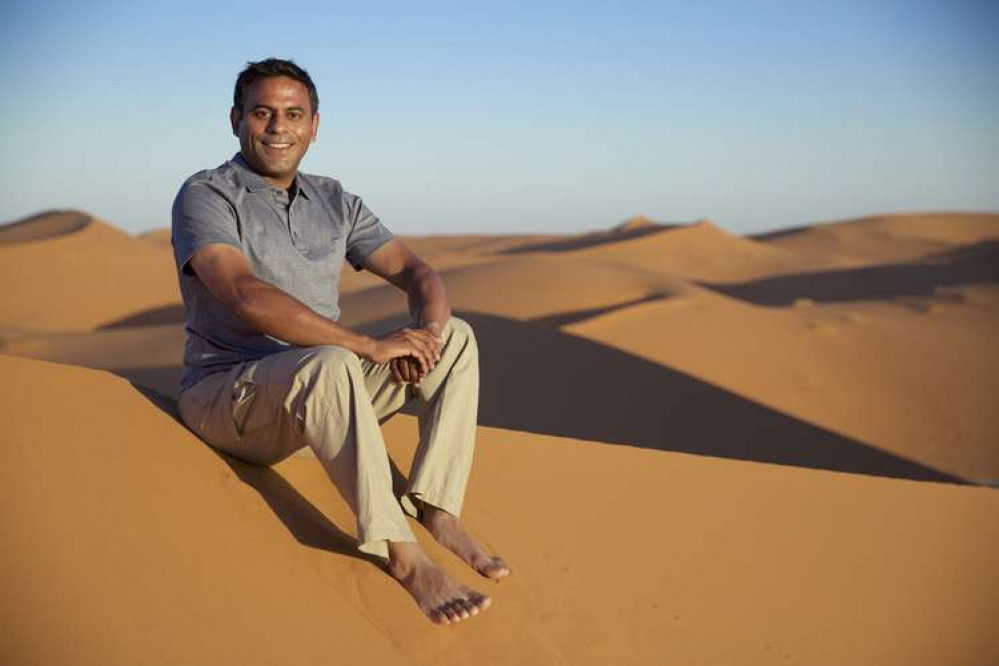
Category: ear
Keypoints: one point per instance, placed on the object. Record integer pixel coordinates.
(235, 115)
(315, 126)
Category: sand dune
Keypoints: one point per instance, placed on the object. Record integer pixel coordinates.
(885, 238)
(43, 226)
(694, 447)
(156, 237)
(703, 251)
(164, 552)
(869, 372)
(80, 279)
(556, 285)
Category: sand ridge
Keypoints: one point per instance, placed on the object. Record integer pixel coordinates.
(746, 450)
(81, 279)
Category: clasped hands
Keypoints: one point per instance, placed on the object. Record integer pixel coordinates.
(411, 352)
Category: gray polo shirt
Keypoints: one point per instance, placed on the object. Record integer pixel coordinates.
(298, 245)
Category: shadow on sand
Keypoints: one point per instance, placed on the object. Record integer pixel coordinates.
(167, 314)
(546, 381)
(591, 240)
(977, 263)
(543, 380)
(307, 524)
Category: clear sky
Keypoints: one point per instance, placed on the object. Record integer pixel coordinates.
(452, 117)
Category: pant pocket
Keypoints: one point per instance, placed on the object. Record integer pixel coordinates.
(244, 398)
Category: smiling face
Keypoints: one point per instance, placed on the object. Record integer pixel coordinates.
(275, 127)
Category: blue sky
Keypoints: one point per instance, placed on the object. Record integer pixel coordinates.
(453, 117)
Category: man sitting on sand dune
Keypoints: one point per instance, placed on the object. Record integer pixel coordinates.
(259, 247)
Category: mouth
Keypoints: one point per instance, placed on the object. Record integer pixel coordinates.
(276, 145)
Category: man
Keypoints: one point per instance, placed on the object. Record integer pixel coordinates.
(258, 247)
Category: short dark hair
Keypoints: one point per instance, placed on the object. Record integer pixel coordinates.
(272, 67)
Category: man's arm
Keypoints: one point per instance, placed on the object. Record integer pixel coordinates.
(428, 304)
(228, 276)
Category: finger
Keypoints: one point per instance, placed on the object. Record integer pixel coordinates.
(422, 355)
(395, 367)
(432, 341)
(421, 339)
(437, 343)
(418, 374)
(406, 369)
(407, 347)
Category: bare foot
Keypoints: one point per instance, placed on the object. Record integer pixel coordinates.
(442, 600)
(450, 534)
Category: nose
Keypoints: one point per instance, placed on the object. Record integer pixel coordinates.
(275, 124)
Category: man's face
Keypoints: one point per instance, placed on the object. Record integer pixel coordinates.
(275, 127)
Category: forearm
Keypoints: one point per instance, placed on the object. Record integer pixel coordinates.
(276, 313)
(428, 304)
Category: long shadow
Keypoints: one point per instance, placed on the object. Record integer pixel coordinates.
(976, 263)
(307, 524)
(546, 381)
(567, 318)
(589, 240)
(543, 380)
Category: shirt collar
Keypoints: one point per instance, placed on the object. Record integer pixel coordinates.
(254, 182)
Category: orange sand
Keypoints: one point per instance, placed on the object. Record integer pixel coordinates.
(695, 448)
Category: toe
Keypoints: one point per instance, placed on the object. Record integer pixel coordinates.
(459, 607)
(493, 567)
(451, 613)
(480, 601)
(468, 607)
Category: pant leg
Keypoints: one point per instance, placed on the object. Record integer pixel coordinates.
(448, 400)
(265, 410)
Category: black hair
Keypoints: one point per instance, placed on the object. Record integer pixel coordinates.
(272, 67)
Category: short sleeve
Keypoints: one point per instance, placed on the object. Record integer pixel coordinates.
(201, 216)
(367, 233)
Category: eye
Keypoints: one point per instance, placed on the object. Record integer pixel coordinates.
(295, 115)
(260, 113)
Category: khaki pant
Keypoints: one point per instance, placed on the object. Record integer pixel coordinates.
(328, 399)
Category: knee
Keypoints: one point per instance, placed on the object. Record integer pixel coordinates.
(461, 328)
(325, 364)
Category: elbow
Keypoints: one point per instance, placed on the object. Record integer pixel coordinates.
(245, 300)
(245, 307)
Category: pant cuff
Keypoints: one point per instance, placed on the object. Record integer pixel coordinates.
(409, 505)
(378, 545)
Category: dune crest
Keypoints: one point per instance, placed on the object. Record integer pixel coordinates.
(43, 226)
(888, 238)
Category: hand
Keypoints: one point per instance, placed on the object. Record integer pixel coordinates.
(405, 370)
(420, 346)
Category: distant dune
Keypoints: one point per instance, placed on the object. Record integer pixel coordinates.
(694, 448)
(78, 278)
(43, 226)
(885, 238)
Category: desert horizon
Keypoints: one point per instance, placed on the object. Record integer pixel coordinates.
(695, 447)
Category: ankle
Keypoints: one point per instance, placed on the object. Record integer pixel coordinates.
(404, 556)
(432, 517)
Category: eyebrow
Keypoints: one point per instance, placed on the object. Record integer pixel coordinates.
(271, 108)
